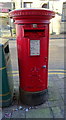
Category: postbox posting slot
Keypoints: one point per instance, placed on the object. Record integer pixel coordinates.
(35, 32)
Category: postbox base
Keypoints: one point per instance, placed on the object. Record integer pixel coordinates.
(33, 98)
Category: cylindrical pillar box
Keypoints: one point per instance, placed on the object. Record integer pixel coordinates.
(32, 31)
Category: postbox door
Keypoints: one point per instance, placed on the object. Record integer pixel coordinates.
(38, 54)
(33, 61)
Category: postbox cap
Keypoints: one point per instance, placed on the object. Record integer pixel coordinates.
(31, 15)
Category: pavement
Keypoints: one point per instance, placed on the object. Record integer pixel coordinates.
(57, 36)
(54, 106)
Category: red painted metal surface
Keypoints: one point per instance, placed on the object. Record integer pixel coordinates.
(32, 30)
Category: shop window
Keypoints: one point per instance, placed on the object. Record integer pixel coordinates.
(64, 12)
(27, 4)
(45, 5)
(13, 5)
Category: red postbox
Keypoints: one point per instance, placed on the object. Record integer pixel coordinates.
(32, 31)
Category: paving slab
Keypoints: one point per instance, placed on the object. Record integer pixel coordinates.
(57, 112)
(62, 95)
(60, 84)
(39, 113)
(54, 97)
(0, 113)
(56, 103)
(44, 105)
(8, 110)
(18, 114)
(61, 90)
(51, 84)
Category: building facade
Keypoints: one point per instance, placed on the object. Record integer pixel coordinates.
(63, 19)
(56, 24)
(5, 7)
